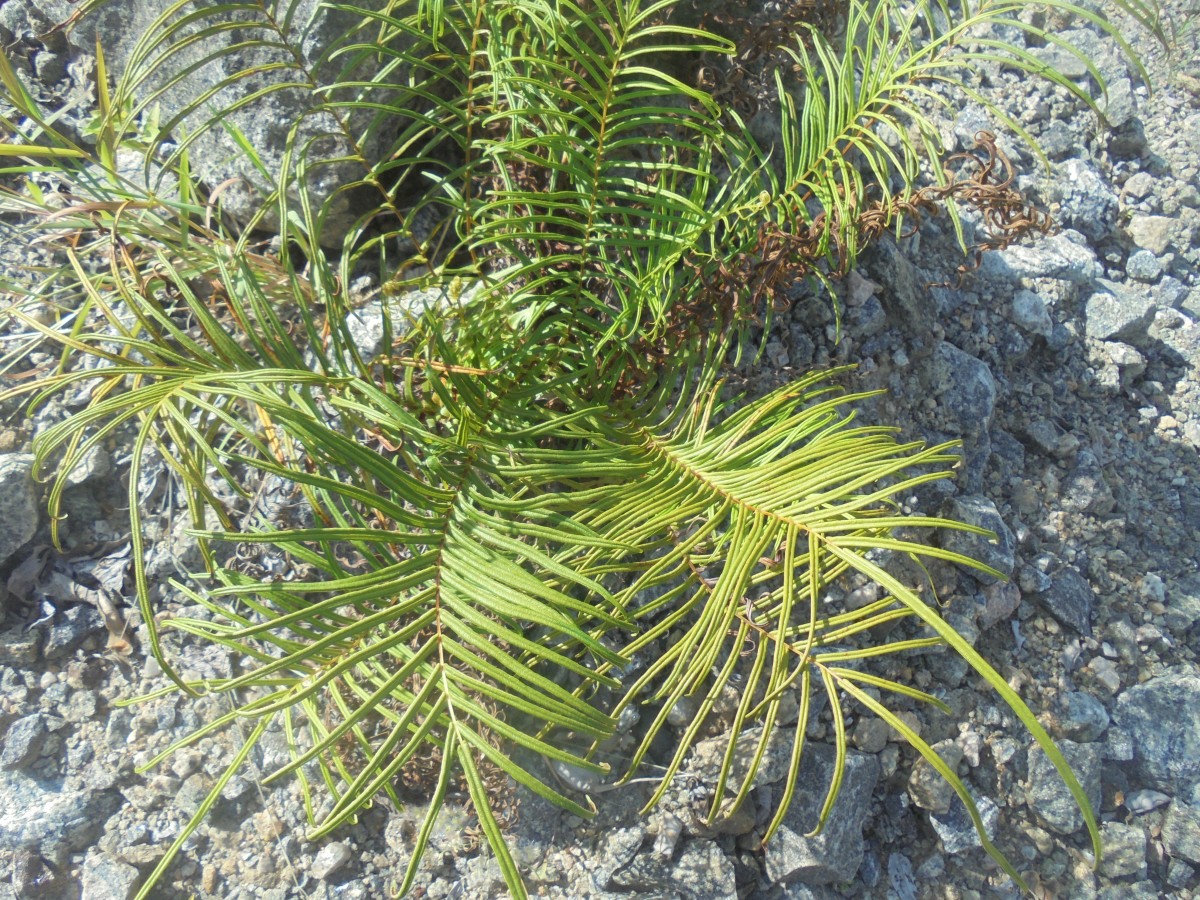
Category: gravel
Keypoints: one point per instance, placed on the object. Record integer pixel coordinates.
(1048, 795)
(1068, 365)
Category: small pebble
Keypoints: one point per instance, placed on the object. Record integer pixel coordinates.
(1152, 588)
(1144, 801)
(1143, 266)
(329, 859)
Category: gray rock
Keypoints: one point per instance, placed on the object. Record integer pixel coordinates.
(329, 859)
(1190, 303)
(999, 551)
(192, 793)
(1181, 831)
(1130, 364)
(19, 648)
(859, 288)
(797, 891)
(1078, 717)
(614, 851)
(1060, 338)
(1153, 233)
(1162, 717)
(1170, 292)
(835, 854)
(1008, 453)
(996, 603)
(365, 323)
(955, 828)
(1030, 312)
(866, 319)
(1118, 314)
(1181, 335)
(703, 769)
(700, 872)
(1088, 204)
(1124, 890)
(23, 741)
(1085, 488)
(927, 788)
(904, 298)
(1152, 588)
(1139, 186)
(971, 120)
(1179, 874)
(1105, 672)
(1141, 802)
(871, 734)
(131, 166)
(703, 872)
(871, 869)
(1183, 605)
(29, 23)
(933, 868)
(1061, 60)
(1033, 580)
(1048, 795)
(1120, 105)
(43, 813)
(777, 355)
(1058, 140)
(365, 326)
(965, 388)
(18, 503)
(1100, 51)
(1143, 266)
(1124, 850)
(173, 551)
(1190, 129)
(30, 876)
(900, 877)
(1069, 599)
(105, 878)
(95, 464)
(1048, 437)
(80, 706)
(1128, 142)
(70, 629)
(1054, 257)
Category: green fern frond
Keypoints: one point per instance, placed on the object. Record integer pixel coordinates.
(531, 483)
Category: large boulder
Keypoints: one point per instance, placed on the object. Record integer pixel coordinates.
(1162, 716)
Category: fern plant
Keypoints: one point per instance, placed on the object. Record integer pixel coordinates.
(540, 474)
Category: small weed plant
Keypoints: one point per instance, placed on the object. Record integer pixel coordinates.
(535, 476)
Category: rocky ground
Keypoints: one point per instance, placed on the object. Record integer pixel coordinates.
(1069, 366)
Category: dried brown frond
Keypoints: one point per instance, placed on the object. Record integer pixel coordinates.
(987, 188)
(754, 280)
